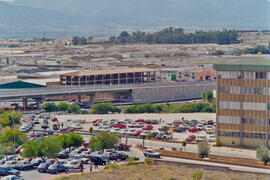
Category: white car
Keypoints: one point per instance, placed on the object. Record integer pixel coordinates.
(80, 158)
(208, 128)
(124, 131)
(211, 138)
(23, 129)
(201, 127)
(73, 164)
(200, 138)
(130, 131)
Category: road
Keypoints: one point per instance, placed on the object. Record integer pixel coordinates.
(222, 151)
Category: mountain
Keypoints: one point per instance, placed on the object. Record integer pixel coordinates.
(107, 17)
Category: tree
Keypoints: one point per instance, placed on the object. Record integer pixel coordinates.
(149, 137)
(48, 148)
(104, 140)
(62, 106)
(184, 144)
(263, 154)
(207, 95)
(74, 108)
(233, 142)
(104, 108)
(7, 149)
(70, 140)
(218, 143)
(7, 118)
(8, 137)
(91, 130)
(203, 149)
(49, 107)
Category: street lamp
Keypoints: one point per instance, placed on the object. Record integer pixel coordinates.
(13, 131)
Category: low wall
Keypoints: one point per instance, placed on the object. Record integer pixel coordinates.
(190, 165)
(165, 94)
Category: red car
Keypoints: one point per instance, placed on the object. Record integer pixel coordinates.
(121, 126)
(54, 119)
(72, 100)
(137, 133)
(139, 120)
(148, 127)
(193, 129)
(68, 129)
(190, 138)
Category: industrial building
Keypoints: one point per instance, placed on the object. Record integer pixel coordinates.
(109, 77)
(243, 102)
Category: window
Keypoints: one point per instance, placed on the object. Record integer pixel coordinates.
(258, 91)
(260, 75)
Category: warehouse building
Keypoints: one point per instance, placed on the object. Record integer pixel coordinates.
(109, 77)
(243, 102)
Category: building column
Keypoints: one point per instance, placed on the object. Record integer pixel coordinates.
(79, 98)
(24, 103)
(126, 78)
(92, 98)
(241, 107)
(148, 77)
(118, 79)
(134, 79)
(71, 81)
(266, 114)
(110, 79)
(79, 80)
(142, 74)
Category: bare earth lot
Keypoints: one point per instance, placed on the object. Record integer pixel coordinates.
(162, 172)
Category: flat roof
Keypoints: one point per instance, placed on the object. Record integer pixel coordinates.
(245, 65)
(108, 71)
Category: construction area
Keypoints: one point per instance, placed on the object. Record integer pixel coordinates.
(109, 77)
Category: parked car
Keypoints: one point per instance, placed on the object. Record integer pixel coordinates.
(132, 125)
(139, 125)
(203, 122)
(194, 122)
(210, 122)
(144, 133)
(152, 121)
(63, 154)
(36, 121)
(12, 177)
(122, 147)
(200, 138)
(151, 153)
(54, 119)
(56, 168)
(179, 129)
(101, 160)
(5, 171)
(73, 164)
(163, 128)
(24, 129)
(211, 138)
(190, 138)
(56, 126)
(164, 136)
(121, 126)
(42, 168)
(148, 127)
(140, 120)
(81, 158)
(209, 129)
(193, 129)
(50, 161)
(10, 163)
(21, 165)
(44, 125)
(137, 133)
(37, 162)
(201, 127)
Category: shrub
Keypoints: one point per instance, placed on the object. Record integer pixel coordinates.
(203, 149)
(149, 161)
(104, 108)
(131, 162)
(84, 112)
(134, 158)
(233, 142)
(207, 95)
(111, 166)
(218, 143)
(197, 175)
(263, 154)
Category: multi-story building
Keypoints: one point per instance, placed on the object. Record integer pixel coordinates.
(243, 102)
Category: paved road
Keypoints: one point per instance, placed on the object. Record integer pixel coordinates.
(224, 151)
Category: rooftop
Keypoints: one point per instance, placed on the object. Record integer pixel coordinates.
(108, 71)
(256, 64)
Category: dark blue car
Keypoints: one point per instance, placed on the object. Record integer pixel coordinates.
(42, 168)
(36, 162)
(56, 168)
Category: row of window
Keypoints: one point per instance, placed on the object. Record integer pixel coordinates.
(244, 75)
(245, 105)
(237, 90)
(236, 120)
(245, 134)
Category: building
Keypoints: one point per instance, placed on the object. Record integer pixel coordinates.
(178, 75)
(109, 77)
(17, 84)
(243, 102)
(207, 75)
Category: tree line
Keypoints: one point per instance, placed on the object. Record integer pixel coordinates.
(177, 36)
(258, 49)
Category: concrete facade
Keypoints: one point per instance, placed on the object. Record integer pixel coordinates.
(165, 94)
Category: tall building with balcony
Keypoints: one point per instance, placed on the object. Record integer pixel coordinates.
(243, 102)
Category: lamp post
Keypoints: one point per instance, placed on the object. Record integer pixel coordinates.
(13, 131)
